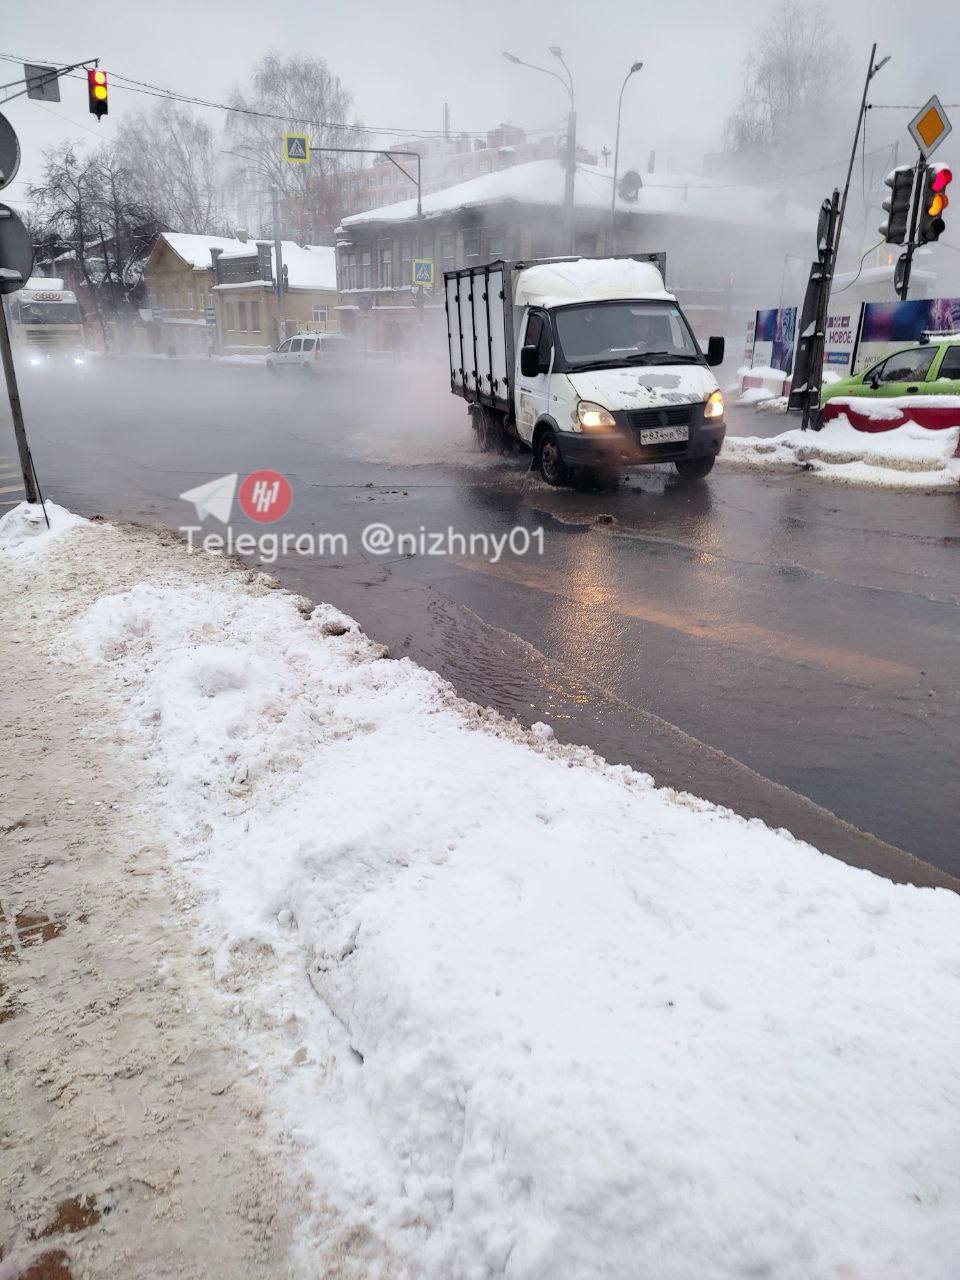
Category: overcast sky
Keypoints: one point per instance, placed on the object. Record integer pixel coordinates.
(402, 61)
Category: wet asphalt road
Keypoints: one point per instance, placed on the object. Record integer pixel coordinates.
(809, 631)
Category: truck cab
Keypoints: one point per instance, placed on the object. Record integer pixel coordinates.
(600, 369)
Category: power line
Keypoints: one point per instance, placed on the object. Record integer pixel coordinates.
(157, 91)
(872, 248)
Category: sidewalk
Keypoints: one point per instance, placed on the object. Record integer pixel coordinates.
(135, 1141)
(314, 969)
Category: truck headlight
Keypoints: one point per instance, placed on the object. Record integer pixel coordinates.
(714, 405)
(594, 417)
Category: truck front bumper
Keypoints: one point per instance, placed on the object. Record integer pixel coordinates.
(621, 446)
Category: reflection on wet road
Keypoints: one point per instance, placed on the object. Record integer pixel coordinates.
(807, 630)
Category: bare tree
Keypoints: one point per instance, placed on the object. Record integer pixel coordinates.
(795, 82)
(174, 168)
(294, 94)
(85, 204)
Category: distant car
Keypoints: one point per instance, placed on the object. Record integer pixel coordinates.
(310, 353)
(930, 367)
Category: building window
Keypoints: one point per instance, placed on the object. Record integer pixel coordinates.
(255, 316)
(319, 315)
(386, 266)
(471, 245)
(448, 253)
(351, 271)
(494, 248)
(242, 316)
(406, 262)
(366, 269)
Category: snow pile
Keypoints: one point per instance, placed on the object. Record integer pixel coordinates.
(570, 1025)
(23, 530)
(910, 457)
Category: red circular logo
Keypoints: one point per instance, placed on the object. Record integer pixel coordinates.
(265, 496)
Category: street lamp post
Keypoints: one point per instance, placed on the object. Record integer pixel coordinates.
(571, 155)
(637, 66)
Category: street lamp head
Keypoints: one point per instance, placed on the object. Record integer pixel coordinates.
(882, 63)
(637, 66)
(556, 51)
(511, 57)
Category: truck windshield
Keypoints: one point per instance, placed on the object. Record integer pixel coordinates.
(49, 313)
(609, 334)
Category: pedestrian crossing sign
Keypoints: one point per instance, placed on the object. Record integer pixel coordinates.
(296, 148)
(423, 271)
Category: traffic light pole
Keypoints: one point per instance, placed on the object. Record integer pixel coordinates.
(16, 411)
(903, 277)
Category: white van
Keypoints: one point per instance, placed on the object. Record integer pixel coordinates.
(589, 362)
(310, 353)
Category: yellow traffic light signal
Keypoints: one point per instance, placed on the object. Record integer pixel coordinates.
(936, 179)
(97, 92)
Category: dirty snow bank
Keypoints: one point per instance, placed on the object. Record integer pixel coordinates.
(23, 529)
(909, 457)
(570, 1025)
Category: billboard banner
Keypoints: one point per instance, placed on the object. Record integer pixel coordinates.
(774, 336)
(748, 347)
(840, 341)
(889, 325)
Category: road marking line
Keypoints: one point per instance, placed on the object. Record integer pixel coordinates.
(765, 641)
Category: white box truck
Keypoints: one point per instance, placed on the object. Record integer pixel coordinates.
(589, 362)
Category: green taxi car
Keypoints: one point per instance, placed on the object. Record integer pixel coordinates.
(929, 368)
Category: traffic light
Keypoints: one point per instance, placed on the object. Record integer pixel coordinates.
(97, 92)
(897, 207)
(936, 179)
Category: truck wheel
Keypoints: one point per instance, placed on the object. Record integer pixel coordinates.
(488, 428)
(550, 462)
(695, 468)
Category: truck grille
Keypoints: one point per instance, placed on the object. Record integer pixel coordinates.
(674, 415)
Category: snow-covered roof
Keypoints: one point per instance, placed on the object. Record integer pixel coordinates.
(312, 266)
(541, 183)
(44, 282)
(195, 249)
(875, 275)
(552, 284)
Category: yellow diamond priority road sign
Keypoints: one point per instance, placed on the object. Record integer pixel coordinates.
(929, 127)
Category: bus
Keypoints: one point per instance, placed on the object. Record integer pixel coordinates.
(46, 323)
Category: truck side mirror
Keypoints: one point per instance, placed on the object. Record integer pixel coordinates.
(715, 349)
(529, 362)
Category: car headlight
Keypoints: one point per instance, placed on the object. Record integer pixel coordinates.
(714, 405)
(594, 417)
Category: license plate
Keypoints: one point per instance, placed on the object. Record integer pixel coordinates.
(664, 435)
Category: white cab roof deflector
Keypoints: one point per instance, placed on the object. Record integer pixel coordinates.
(554, 284)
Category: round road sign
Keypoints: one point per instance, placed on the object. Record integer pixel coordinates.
(9, 152)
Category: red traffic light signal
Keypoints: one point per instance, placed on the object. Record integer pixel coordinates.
(97, 92)
(933, 201)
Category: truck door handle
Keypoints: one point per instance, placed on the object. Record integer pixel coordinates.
(913, 389)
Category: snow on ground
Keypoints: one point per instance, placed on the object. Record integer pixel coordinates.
(568, 1024)
(24, 529)
(909, 457)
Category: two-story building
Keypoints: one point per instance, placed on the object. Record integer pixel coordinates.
(725, 244)
(245, 294)
(178, 282)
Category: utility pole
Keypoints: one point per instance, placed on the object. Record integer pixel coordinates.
(872, 69)
(905, 263)
(278, 264)
(16, 411)
(570, 159)
(637, 66)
